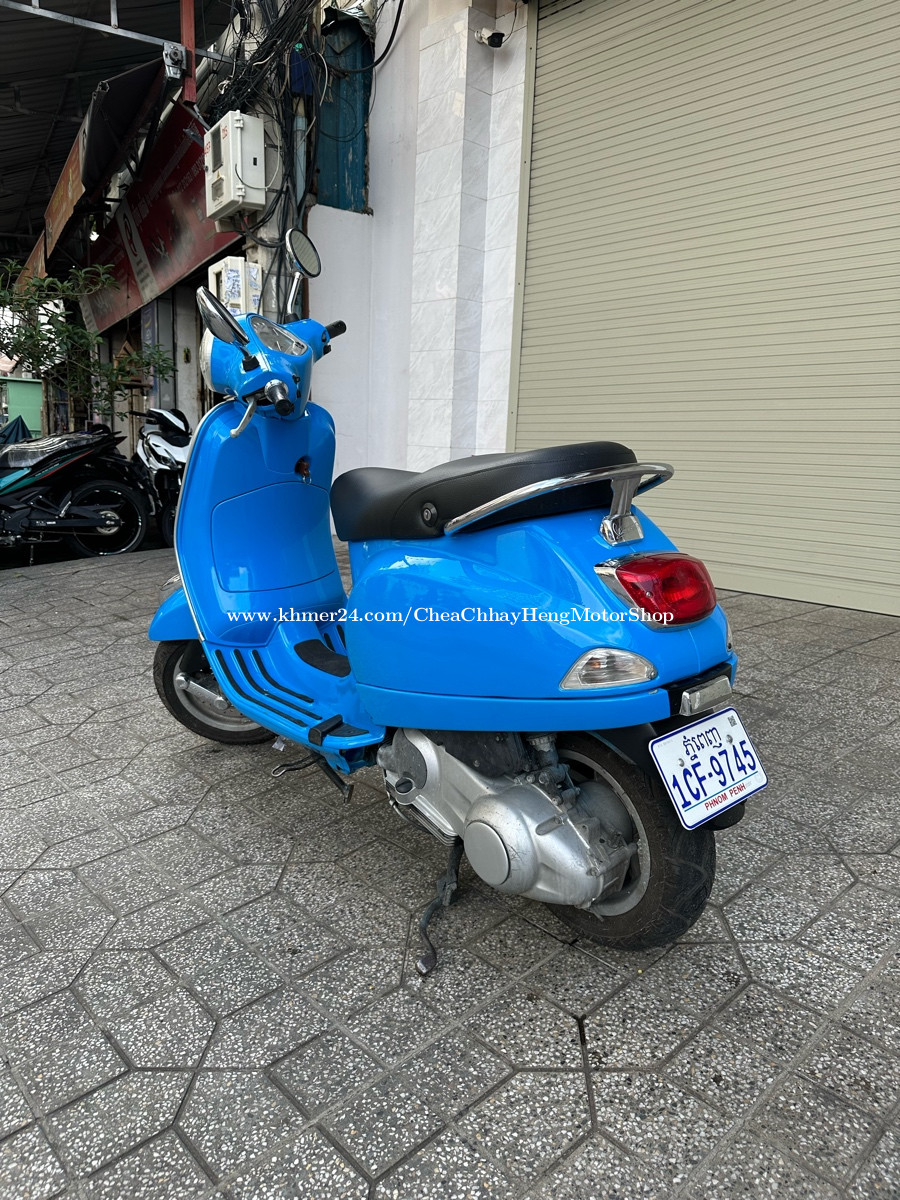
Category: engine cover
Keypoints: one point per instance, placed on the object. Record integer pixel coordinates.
(516, 837)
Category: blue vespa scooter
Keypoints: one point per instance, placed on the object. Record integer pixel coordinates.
(540, 674)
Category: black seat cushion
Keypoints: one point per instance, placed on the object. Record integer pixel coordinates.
(377, 502)
(28, 454)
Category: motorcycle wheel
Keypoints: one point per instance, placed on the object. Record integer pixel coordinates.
(230, 726)
(127, 504)
(671, 874)
(166, 521)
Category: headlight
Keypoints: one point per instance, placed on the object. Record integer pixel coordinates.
(206, 348)
(605, 667)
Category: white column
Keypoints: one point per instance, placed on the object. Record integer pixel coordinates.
(468, 150)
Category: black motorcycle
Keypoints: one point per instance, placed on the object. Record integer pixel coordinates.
(72, 487)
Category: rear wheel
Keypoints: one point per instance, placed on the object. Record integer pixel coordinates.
(671, 872)
(110, 497)
(194, 710)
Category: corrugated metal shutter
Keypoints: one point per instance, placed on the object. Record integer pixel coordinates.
(711, 269)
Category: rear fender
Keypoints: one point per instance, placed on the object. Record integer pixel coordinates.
(632, 743)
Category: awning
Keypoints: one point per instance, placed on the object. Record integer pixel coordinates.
(160, 232)
(118, 108)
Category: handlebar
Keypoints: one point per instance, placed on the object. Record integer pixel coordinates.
(335, 329)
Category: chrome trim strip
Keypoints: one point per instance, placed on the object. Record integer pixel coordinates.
(606, 571)
(698, 699)
(622, 494)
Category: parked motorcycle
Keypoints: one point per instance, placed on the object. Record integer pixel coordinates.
(159, 460)
(542, 677)
(71, 487)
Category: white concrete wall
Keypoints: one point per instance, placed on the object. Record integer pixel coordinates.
(500, 230)
(187, 374)
(426, 283)
(342, 381)
(366, 275)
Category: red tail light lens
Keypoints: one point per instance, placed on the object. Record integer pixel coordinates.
(674, 589)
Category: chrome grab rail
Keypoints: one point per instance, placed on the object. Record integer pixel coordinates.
(625, 480)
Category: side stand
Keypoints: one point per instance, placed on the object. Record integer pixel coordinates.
(447, 885)
(346, 789)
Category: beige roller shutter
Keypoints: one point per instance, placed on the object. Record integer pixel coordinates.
(711, 275)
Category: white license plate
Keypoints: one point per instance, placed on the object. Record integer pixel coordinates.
(708, 766)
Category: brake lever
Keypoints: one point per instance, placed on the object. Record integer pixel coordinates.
(246, 418)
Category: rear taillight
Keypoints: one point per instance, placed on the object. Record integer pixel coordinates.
(673, 589)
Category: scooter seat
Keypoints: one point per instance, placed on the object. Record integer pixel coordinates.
(28, 454)
(377, 502)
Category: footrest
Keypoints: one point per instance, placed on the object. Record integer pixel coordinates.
(331, 725)
(290, 695)
(316, 654)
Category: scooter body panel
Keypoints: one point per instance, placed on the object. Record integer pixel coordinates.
(253, 534)
(492, 621)
(253, 540)
(470, 632)
(427, 711)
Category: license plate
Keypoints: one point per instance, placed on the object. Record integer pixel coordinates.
(708, 766)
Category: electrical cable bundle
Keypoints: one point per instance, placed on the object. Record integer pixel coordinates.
(286, 62)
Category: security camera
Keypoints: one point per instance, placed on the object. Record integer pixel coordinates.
(490, 37)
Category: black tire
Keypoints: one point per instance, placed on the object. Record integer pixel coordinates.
(670, 877)
(166, 522)
(229, 727)
(128, 504)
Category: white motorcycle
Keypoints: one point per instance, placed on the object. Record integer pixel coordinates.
(159, 460)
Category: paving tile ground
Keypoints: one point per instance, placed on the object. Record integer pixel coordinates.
(207, 983)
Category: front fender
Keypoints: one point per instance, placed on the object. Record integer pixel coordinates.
(173, 621)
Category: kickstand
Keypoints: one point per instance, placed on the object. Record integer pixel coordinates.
(300, 765)
(447, 885)
(314, 760)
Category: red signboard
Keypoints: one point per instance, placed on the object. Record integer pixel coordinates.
(161, 232)
(68, 191)
(36, 264)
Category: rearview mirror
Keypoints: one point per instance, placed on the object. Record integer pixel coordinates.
(303, 254)
(218, 320)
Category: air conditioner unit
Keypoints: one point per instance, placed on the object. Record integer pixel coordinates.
(234, 158)
(237, 283)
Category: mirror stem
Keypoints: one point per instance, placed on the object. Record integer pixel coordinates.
(293, 296)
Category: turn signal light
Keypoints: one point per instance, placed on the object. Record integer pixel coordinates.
(607, 667)
(674, 589)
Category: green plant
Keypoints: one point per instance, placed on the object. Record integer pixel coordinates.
(42, 328)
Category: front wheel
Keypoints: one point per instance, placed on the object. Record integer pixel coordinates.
(671, 873)
(195, 711)
(166, 521)
(110, 497)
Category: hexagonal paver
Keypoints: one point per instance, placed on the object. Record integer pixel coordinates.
(529, 1123)
(208, 982)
